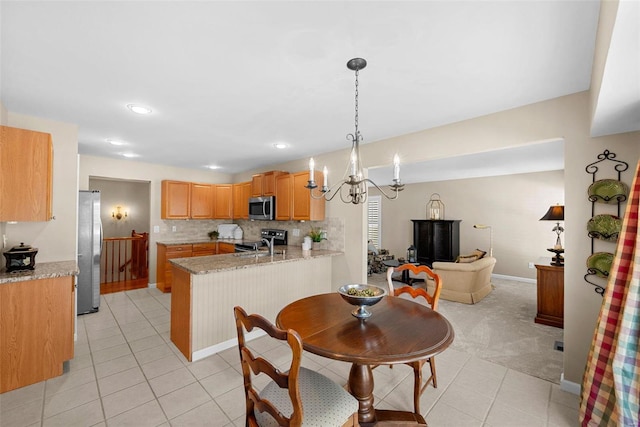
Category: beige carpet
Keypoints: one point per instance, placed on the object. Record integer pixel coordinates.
(500, 329)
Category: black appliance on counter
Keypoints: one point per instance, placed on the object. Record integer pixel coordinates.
(20, 258)
(279, 238)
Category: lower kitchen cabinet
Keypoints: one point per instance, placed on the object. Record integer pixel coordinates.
(166, 252)
(36, 330)
(163, 266)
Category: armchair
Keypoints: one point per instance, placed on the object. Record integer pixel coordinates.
(465, 282)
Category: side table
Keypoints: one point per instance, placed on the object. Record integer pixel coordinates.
(550, 280)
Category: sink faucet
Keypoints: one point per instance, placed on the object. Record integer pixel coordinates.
(269, 245)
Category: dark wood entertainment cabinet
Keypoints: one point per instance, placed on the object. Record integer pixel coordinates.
(550, 295)
(436, 240)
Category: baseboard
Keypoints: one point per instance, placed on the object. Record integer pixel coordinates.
(152, 285)
(514, 278)
(208, 351)
(569, 387)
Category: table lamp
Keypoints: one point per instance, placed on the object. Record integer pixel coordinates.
(556, 213)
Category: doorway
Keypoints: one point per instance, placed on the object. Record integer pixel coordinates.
(125, 215)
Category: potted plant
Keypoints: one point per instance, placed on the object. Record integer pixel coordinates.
(213, 235)
(316, 235)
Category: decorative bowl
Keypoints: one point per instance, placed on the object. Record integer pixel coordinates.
(362, 296)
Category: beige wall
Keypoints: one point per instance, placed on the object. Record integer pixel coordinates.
(566, 117)
(56, 239)
(132, 197)
(606, 23)
(511, 204)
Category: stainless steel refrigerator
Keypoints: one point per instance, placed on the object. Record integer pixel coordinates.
(89, 249)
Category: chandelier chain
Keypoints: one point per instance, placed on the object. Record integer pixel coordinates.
(357, 135)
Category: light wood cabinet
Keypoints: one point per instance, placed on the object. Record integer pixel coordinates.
(203, 249)
(164, 279)
(306, 208)
(256, 185)
(264, 184)
(201, 201)
(226, 248)
(223, 201)
(163, 266)
(241, 195)
(175, 200)
(283, 197)
(36, 330)
(26, 175)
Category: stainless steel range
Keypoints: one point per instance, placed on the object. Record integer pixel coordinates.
(279, 238)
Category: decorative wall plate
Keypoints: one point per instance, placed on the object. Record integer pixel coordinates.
(604, 227)
(600, 263)
(609, 191)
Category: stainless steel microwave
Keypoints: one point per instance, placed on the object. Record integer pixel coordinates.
(263, 208)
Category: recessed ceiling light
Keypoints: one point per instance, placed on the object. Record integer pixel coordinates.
(213, 167)
(130, 155)
(139, 109)
(280, 145)
(115, 142)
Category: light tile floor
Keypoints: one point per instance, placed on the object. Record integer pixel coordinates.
(126, 372)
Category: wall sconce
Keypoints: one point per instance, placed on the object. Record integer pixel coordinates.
(117, 214)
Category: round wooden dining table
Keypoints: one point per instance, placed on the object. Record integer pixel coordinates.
(399, 331)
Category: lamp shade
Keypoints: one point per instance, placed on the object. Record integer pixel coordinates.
(555, 213)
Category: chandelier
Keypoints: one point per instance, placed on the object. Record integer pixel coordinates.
(353, 179)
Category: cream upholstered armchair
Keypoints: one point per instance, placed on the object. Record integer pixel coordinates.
(465, 282)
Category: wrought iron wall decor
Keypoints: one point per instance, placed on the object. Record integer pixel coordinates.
(604, 227)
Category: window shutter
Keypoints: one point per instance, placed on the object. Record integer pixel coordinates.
(374, 217)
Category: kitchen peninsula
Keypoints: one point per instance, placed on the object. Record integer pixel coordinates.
(205, 290)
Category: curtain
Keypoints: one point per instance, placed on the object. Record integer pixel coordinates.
(611, 383)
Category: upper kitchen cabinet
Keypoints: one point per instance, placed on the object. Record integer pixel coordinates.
(264, 184)
(175, 200)
(241, 195)
(257, 181)
(222, 201)
(306, 208)
(26, 175)
(284, 200)
(202, 201)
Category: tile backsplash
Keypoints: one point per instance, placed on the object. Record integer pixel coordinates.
(198, 229)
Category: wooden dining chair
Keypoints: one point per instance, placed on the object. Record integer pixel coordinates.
(296, 397)
(432, 299)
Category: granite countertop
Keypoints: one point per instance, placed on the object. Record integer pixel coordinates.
(191, 240)
(215, 263)
(43, 270)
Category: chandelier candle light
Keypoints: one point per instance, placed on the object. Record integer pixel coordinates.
(353, 178)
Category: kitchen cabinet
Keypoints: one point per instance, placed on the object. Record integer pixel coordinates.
(226, 248)
(201, 201)
(167, 252)
(163, 266)
(203, 249)
(283, 197)
(264, 184)
(436, 240)
(256, 184)
(306, 208)
(36, 330)
(26, 175)
(241, 195)
(223, 201)
(175, 200)
(550, 281)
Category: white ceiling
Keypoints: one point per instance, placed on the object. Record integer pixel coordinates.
(226, 80)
